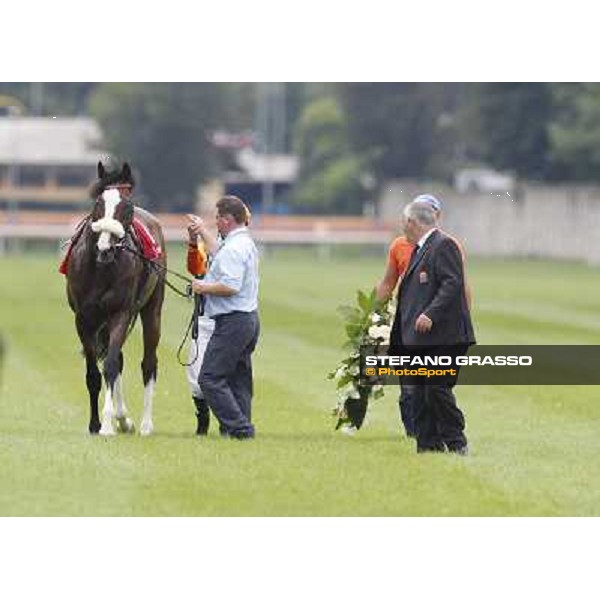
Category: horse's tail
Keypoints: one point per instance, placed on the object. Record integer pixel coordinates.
(102, 338)
(102, 342)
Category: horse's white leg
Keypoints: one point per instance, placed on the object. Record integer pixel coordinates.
(124, 423)
(147, 426)
(107, 414)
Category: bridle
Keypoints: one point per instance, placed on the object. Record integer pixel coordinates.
(123, 244)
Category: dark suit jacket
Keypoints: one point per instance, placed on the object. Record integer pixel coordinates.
(434, 284)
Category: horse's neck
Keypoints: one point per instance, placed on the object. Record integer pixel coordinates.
(87, 239)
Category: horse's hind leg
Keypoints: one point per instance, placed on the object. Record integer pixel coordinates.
(93, 380)
(150, 316)
(124, 423)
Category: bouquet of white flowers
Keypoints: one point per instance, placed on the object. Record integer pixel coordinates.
(367, 324)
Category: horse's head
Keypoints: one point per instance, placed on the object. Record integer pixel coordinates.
(112, 215)
(119, 178)
(113, 209)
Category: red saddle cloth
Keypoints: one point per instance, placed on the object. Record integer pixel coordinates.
(150, 249)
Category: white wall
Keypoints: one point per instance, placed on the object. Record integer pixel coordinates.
(541, 221)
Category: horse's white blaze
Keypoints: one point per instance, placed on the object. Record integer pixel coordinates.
(108, 225)
(125, 423)
(147, 426)
(107, 414)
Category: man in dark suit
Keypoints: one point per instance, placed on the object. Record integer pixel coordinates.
(433, 318)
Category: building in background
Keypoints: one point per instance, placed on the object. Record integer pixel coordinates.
(263, 179)
(47, 162)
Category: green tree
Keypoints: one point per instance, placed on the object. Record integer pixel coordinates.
(51, 99)
(331, 175)
(575, 131)
(513, 122)
(405, 127)
(163, 129)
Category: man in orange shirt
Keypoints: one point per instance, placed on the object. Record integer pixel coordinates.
(399, 255)
(197, 265)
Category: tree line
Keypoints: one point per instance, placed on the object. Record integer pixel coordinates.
(350, 137)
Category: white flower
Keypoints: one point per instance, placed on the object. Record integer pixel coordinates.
(348, 391)
(339, 373)
(391, 309)
(354, 371)
(375, 318)
(380, 332)
(349, 430)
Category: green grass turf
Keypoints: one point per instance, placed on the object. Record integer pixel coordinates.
(534, 449)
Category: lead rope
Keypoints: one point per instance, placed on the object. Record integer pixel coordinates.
(198, 303)
(193, 326)
(157, 265)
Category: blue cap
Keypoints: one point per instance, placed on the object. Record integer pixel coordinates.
(430, 200)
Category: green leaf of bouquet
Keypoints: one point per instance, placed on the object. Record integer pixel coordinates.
(354, 331)
(345, 380)
(363, 301)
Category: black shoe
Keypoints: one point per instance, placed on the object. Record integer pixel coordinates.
(202, 416)
(242, 435)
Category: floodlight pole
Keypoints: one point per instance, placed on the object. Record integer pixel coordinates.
(271, 123)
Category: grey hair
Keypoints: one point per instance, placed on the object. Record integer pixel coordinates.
(421, 213)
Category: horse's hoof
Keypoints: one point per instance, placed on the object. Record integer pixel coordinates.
(94, 428)
(125, 425)
(146, 429)
(107, 430)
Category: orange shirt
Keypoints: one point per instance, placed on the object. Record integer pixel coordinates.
(399, 254)
(401, 250)
(197, 259)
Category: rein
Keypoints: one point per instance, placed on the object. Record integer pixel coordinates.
(198, 301)
(157, 265)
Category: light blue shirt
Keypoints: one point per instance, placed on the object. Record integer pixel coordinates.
(234, 264)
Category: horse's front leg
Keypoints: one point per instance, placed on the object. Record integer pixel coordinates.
(124, 423)
(93, 379)
(150, 315)
(112, 372)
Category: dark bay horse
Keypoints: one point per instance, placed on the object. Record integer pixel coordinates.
(108, 285)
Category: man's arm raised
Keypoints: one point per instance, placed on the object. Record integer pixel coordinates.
(196, 226)
(385, 288)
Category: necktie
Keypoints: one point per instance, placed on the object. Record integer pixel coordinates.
(413, 257)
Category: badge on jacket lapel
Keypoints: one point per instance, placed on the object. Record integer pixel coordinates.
(423, 278)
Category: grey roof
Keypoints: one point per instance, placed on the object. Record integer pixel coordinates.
(274, 167)
(49, 141)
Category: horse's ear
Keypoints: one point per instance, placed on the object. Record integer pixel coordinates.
(126, 172)
(101, 171)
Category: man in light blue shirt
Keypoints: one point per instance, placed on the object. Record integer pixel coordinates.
(230, 289)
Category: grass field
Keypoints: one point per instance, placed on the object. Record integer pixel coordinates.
(534, 449)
